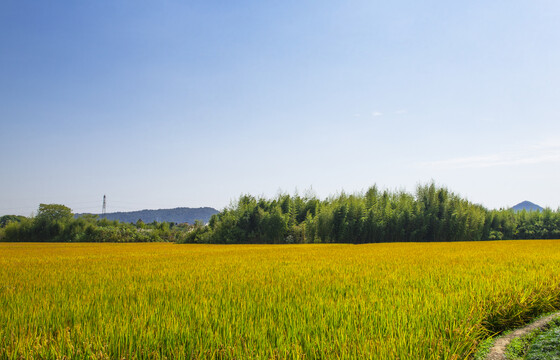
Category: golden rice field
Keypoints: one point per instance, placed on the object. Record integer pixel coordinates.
(378, 301)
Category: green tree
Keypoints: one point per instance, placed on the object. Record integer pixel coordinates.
(6, 219)
(54, 212)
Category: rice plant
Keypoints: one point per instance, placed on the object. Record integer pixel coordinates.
(160, 300)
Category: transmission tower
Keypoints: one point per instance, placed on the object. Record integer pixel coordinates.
(104, 210)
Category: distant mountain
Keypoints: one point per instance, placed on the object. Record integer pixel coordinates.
(527, 205)
(177, 215)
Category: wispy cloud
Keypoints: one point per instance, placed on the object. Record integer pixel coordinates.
(546, 152)
(376, 113)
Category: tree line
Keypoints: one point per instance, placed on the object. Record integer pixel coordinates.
(431, 214)
(56, 223)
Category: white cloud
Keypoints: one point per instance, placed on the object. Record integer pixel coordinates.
(376, 113)
(546, 152)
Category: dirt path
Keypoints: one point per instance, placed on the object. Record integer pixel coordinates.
(498, 350)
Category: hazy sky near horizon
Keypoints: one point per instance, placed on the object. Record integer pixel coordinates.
(161, 104)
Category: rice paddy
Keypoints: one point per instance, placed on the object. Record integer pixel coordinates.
(160, 300)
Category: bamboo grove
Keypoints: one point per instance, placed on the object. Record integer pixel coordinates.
(431, 214)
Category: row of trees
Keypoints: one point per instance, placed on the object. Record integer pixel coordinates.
(431, 214)
(56, 223)
(543, 224)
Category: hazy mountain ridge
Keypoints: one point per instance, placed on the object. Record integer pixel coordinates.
(527, 205)
(176, 215)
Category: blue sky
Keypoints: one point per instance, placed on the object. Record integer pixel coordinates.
(193, 103)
